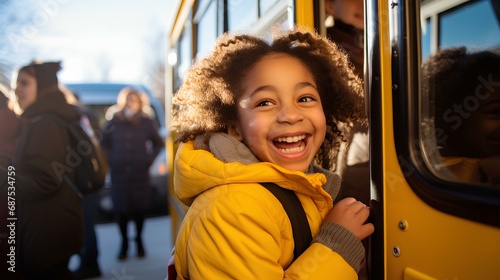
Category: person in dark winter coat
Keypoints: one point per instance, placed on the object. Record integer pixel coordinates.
(9, 124)
(131, 142)
(88, 265)
(49, 224)
(347, 31)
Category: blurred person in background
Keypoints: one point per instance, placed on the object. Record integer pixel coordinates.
(49, 224)
(89, 265)
(9, 124)
(131, 142)
(345, 26)
(346, 29)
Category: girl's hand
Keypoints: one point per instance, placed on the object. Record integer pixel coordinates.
(352, 215)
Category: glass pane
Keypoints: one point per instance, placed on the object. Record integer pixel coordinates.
(426, 38)
(265, 5)
(460, 104)
(207, 30)
(184, 55)
(474, 25)
(241, 14)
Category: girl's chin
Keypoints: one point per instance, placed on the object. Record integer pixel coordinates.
(295, 166)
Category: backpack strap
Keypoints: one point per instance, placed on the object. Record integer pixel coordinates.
(300, 226)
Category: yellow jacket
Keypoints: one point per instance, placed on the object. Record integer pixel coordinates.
(237, 229)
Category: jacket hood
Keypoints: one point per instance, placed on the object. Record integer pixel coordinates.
(45, 75)
(197, 170)
(52, 103)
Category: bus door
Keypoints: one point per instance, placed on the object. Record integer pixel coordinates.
(435, 199)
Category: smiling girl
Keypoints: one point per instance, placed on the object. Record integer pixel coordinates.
(255, 112)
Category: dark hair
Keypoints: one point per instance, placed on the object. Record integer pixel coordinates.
(45, 74)
(452, 75)
(205, 103)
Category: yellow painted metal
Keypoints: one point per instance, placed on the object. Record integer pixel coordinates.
(386, 84)
(412, 274)
(180, 20)
(304, 13)
(175, 208)
(433, 244)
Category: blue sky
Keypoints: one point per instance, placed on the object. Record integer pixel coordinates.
(113, 39)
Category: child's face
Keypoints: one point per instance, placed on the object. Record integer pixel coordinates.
(348, 11)
(480, 132)
(281, 118)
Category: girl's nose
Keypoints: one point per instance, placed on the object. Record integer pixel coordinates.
(290, 114)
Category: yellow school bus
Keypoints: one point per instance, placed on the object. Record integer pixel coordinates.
(432, 221)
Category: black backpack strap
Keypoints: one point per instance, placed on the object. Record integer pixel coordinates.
(300, 226)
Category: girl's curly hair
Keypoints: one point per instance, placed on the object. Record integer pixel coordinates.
(206, 101)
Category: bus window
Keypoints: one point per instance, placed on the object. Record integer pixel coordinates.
(184, 56)
(460, 112)
(265, 5)
(207, 26)
(241, 14)
(473, 25)
(426, 38)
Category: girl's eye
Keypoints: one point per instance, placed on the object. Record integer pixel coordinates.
(264, 103)
(306, 99)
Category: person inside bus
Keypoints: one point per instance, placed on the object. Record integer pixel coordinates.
(465, 86)
(345, 25)
(254, 112)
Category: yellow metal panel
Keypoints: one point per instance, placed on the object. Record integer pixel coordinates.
(412, 274)
(436, 244)
(304, 13)
(433, 244)
(386, 84)
(180, 19)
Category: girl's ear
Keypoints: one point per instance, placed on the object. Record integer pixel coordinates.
(233, 129)
(329, 8)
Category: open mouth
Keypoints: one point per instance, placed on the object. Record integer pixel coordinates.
(291, 144)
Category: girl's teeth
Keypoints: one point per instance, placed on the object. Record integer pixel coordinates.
(293, 150)
(291, 139)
